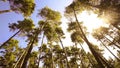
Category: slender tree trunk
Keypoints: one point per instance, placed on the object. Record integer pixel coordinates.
(51, 50)
(9, 39)
(68, 66)
(5, 11)
(91, 62)
(113, 39)
(24, 65)
(52, 59)
(31, 47)
(83, 66)
(39, 58)
(88, 43)
(40, 50)
(109, 50)
(116, 27)
(20, 59)
(87, 55)
(76, 57)
(105, 62)
(112, 42)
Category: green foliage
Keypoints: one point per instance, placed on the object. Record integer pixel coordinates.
(11, 53)
(33, 60)
(59, 31)
(75, 37)
(25, 25)
(78, 5)
(25, 7)
(49, 14)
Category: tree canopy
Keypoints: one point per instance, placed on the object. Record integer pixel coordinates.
(45, 41)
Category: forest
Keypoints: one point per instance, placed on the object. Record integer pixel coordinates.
(45, 47)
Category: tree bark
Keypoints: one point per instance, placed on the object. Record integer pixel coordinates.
(87, 56)
(5, 11)
(83, 66)
(24, 65)
(68, 66)
(40, 51)
(116, 27)
(112, 42)
(9, 39)
(109, 50)
(114, 39)
(88, 43)
(76, 57)
(31, 46)
(20, 59)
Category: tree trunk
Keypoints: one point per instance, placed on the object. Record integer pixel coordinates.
(114, 39)
(87, 56)
(112, 42)
(88, 43)
(20, 59)
(116, 26)
(68, 66)
(109, 50)
(9, 39)
(52, 58)
(76, 57)
(40, 51)
(5, 11)
(31, 47)
(83, 66)
(24, 65)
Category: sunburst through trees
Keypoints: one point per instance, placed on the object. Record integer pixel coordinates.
(87, 20)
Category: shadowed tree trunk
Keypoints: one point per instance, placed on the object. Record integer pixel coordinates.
(5, 11)
(53, 66)
(31, 45)
(24, 65)
(87, 56)
(109, 50)
(81, 61)
(9, 39)
(96, 55)
(118, 28)
(114, 39)
(112, 42)
(88, 43)
(68, 66)
(20, 60)
(76, 56)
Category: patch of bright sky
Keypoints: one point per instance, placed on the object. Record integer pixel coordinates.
(67, 41)
(91, 20)
(6, 18)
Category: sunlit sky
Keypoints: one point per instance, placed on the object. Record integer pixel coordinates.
(90, 19)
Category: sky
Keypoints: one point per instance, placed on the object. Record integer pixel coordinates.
(12, 17)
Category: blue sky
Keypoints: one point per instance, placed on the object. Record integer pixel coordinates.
(12, 17)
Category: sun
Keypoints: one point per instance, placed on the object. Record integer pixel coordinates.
(90, 20)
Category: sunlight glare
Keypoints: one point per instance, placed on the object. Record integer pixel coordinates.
(90, 20)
